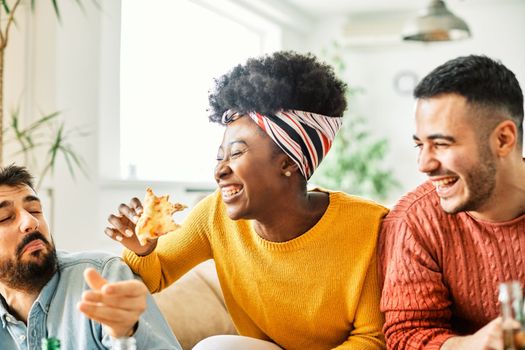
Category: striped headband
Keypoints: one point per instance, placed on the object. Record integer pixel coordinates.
(305, 137)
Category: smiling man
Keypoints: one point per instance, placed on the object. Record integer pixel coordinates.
(447, 245)
(42, 290)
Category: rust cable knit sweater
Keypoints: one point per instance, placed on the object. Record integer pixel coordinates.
(441, 272)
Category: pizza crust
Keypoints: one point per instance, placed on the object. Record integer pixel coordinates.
(156, 218)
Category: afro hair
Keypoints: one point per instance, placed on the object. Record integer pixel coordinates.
(284, 80)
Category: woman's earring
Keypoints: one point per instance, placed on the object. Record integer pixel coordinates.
(288, 173)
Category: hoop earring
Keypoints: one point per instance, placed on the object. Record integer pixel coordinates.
(288, 173)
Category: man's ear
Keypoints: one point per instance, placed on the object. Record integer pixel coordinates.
(504, 138)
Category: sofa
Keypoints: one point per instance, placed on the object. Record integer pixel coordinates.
(194, 306)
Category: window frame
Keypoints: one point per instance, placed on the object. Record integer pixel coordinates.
(109, 118)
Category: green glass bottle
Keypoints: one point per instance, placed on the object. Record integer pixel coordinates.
(50, 343)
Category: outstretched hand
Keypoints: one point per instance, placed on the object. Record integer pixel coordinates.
(122, 228)
(117, 306)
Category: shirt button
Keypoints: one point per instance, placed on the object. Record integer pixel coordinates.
(10, 318)
(22, 338)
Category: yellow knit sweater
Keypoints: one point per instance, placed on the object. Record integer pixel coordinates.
(317, 291)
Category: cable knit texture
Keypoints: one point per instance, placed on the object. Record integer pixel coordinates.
(317, 291)
(441, 272)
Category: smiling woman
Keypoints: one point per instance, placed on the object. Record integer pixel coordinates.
(244, 171)
(297, 267)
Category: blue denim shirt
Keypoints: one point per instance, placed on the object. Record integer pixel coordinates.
(54, 313)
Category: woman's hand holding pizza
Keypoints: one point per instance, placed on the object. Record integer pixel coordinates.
(123, 225)
(138, 227)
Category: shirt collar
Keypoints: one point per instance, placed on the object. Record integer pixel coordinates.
(47, 293)
(3, 311)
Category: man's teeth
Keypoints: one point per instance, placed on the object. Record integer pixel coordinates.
(443, 182)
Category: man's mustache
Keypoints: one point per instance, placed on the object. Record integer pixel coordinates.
(33, 236)
(440, 173)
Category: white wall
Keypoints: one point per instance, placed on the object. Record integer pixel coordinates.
(64, 71)
(72, 67)
(498, 31)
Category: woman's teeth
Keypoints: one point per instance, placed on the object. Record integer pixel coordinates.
(229, 193)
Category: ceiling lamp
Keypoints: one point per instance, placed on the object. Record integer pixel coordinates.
(436, 23)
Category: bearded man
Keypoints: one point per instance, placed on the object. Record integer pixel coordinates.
(446, 246)
(42, 290)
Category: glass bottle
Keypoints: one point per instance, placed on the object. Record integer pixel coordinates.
(124, 343)
(511, 298)
(519, 312)
(508, 322)
(51, 343)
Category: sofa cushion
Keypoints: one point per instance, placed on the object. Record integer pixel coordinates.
(194, 306)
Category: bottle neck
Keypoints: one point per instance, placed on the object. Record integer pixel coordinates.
(125, 343)
(50, 344)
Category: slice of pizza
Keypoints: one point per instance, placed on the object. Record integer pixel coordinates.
(156, 218)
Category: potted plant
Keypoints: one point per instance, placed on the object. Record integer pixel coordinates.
(355, 163)
(47, 133)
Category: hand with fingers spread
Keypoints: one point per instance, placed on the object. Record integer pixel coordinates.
(122, 228)
(118, 306)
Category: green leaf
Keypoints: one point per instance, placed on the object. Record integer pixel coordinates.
(78, 161)
(43, 121)
(55, 7)
(69, 165)
(43, 174)
(27, 149)
(37, 136)
(55, 147)
(96, 4)
(6, 7)
(79, 3)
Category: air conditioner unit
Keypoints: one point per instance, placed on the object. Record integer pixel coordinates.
(374, 29)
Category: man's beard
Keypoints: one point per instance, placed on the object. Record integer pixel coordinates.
(29, 276)
(480, 181)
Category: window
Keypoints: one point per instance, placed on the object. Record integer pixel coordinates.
(170, 53)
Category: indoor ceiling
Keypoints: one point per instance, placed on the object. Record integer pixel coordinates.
(320, 7)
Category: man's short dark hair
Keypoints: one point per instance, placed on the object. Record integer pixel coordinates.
(484, 82)
(13, 175)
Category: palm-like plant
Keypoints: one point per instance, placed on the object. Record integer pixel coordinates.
(46, 132)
